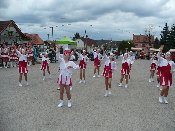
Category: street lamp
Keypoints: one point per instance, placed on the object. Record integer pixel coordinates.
(52, 32)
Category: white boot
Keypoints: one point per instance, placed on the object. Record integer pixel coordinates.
(20, 85)
(120, 85)
(149, 80)
(94, 76)
(84, 81)
(80, 81)
(106, 94)
(69, 103)
(109, 93)
(126, 86)
(161, 100)
(27, 83)
(165, 100)
(44, 78)
(61, 103)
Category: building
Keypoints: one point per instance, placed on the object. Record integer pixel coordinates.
(11, 34)
(86, 43)
(143, 41)
(35, 39)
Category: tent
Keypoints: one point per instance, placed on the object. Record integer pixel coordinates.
(66, 40)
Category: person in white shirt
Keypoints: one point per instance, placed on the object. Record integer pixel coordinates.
(45, 64)
(83, 60)
(66, 69)
(152, 68)
(166, 80)
(97, 62)
(22, 65)
(125, 71)
(110, 66)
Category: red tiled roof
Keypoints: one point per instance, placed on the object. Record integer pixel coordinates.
(89, 41)
(36, 40)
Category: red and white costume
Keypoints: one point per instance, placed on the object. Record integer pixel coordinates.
(13, 56)
(109, 66)
(30, 54)
(132, 59)
(5, 55)
(22, 62)
(65, 73)
(83, 60)
(97, 57)
(125, 66)
(45, 62)
(166, 71)
(153, 64)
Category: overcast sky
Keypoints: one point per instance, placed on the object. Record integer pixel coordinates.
(116, 19)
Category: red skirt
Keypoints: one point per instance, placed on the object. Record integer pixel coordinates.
(23, 67)
(107, 72)
(5, 57)
(64, 80)
(82, 65)
(166, 78)
(96, 62)
(125, 69)
(153, 66)
(13, 58)
(44, 65)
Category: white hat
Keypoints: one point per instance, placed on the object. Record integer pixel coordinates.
(111, 53)
(168, 53)
(84, 51)
(125, 54)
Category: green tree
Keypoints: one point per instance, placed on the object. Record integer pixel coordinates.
(156, 43)
(76, 36)
(125, 44)
(171, 38)
(164, 40)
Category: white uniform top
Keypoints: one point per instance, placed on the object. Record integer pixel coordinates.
(63, 66)
(21, 56)
(125, 60)
(165, 62)
(107, 61)
(44, 58)
(81, 57)
(153, 61)
(132, 58)
(72, 57)
(97, 54)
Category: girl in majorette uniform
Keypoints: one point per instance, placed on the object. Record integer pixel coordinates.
(64, 80)
(166, 78)
(22, 65)
(110, 65)
(97, 62)
(30, 56)
(45, 64)
(13, 57)
(5, 56)
(152, 68)
(125, 71)
(83, 60)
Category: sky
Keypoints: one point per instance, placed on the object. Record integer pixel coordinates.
(107, 19)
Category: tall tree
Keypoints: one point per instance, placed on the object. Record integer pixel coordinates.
(156, 43)
(164, 40)
(171, 38)
(76, 36)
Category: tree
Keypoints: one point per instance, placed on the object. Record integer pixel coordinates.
(125, 44)
(164, 40)
(76, 36)
(156, 43)
(171, 38)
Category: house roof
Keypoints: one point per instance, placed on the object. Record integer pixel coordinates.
(5, 24)
(89, 41)
(35, 39)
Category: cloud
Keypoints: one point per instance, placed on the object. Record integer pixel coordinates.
(118, 19)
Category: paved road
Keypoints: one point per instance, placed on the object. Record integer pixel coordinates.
(34, 107)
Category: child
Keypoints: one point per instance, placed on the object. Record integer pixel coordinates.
(13, 57)
(45, 64)
(64, 79)
(22, 65)
(97, 58)
(167, 69)
(152, 68)
(110, 65)
(125, 71)
(83, 60)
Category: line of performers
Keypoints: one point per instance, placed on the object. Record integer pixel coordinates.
(164, 67)
(9, 58)
(67, 66)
